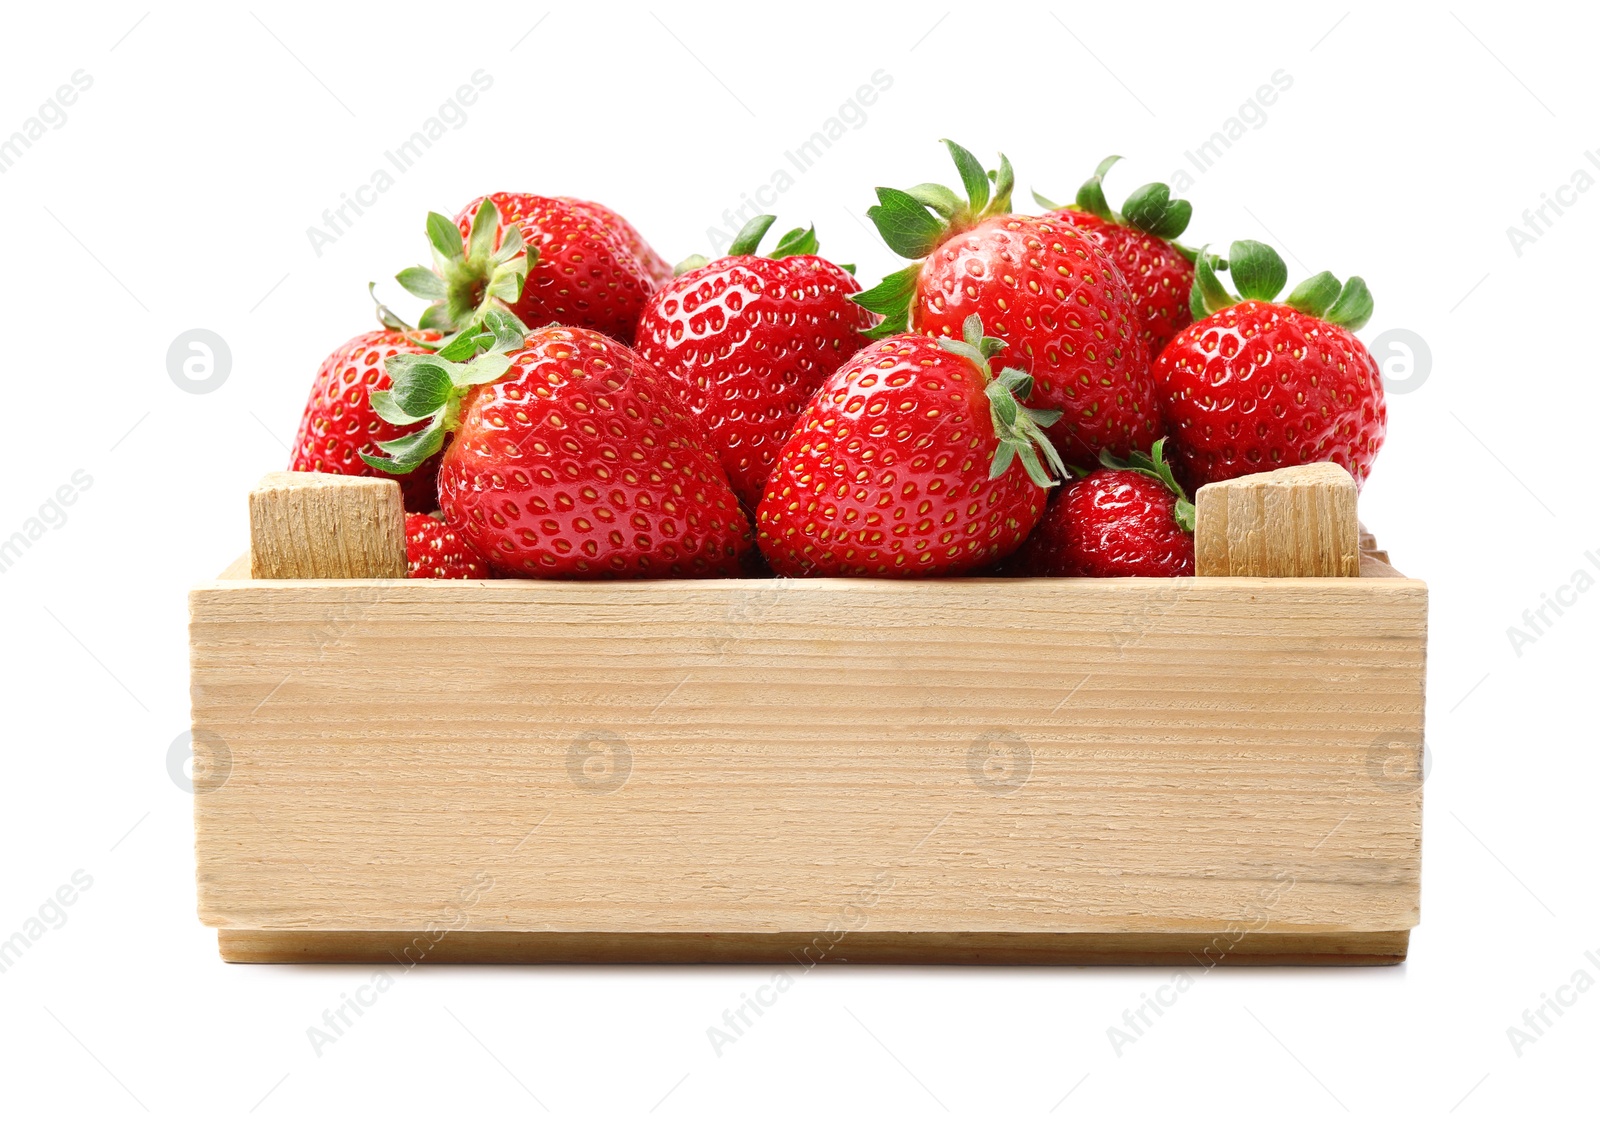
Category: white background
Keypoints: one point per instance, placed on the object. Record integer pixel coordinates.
(178, 194)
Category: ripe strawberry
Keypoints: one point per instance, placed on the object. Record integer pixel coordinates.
(434, 551)
(549, 261)
(1256, 385)
(572, 458)
(1041, 284)
(1140, 241)
(748, 340)
(659, 269)
(912, 460)
(1129, 519)
(340, 425)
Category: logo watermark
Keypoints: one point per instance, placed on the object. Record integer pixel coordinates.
(198, 361)
(1251, 115)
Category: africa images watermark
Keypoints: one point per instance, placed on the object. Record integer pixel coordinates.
(1536, 622)
(50, 516)
(1537, 1021)
(51, 915)
(802, 158)
(338, 221)
(1252, 114)
(1539, 221)
(52, 113)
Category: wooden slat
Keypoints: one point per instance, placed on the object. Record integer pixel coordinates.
(1297, 522)
(802, 951)
(981, 755)
(322, 525)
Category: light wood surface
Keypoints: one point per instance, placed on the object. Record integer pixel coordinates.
(1035, 755)
(800, 952)
(962, 771)
(1297, 522)
(322, 525)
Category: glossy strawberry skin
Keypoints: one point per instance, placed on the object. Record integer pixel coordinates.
(435, 551)
(581, 462)
(659, 269)
(1113, 523)
(339, 424)
(749, 340)
(886, 474)
(1070, 320)
(1158, 274)
(587, 275)
(1260, 386)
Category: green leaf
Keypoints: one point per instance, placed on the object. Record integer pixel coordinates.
(1258, 271)
(1208, 294)
(1151, 209)
(1005, 180)
(1048, 205)
(905, 223)
(891, 299)
(749, 239)
(1183, 514)
(508, 330)
(422, 282)
(444, 235)
(974, 179)
(505, 284)
(692, 262)
(800, 241)
(420, 388)
(464, 345)
(1092, 195)
(485, 369)
(436, 317)
(1315, 295)
(480, 243)
(1353, 308)
(938, 197)
(406, 453)
(383, 405)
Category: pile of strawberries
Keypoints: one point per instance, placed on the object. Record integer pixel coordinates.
(1034, 395)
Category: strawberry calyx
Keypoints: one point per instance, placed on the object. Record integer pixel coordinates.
(800, 240)
(1149, 208)
(469, 276)
(1020, 429)
(430, 388)
(916, 221)
(1261, 274)
(1154, 465)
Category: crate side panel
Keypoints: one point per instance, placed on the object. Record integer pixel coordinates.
(784, 756)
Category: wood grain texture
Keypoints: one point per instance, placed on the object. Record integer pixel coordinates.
(322, 525)
(800, 952)
(1296, 522)
(777, 756)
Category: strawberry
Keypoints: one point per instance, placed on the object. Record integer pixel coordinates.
(748, 340)
(1129, 519)
(913, 460)
(1041, 284)
(572, 458)
(1140, 240)
(1255, 385)
(548, 261)
(434, 551)
(340, 426)
(655, 265)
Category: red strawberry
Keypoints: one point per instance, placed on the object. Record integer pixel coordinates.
(1127, 520)
(572, 458)
(434, 551)
(1140, 241)
(549, 261)
(659, 269)
(1041, 284)
(749, 339)
(340, 425)
(1256, 385)
(912, 460)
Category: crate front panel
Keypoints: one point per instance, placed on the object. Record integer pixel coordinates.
(781, 756)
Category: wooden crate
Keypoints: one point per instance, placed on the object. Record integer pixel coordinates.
(1224, 768)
